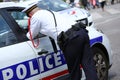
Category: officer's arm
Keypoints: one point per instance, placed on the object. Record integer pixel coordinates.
(34, 28)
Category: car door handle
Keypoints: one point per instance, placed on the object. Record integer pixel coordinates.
(43, 51)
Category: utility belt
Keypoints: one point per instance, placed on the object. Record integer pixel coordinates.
(64, 37)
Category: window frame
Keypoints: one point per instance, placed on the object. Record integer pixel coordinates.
(19, 33)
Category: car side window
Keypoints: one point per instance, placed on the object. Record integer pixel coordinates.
(21, 18)
(6, 35)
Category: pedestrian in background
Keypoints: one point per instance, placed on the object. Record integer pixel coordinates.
(77, 3)
(85, 4)
(74, 2)
(118, 1)
(112, 1)
(97, 4)
(102, 3)
(93, 2)
(71, 1)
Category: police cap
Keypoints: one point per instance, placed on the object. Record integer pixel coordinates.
(30, 7)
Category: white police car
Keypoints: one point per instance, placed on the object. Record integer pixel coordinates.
(19, 60)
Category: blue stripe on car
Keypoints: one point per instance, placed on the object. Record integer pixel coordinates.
(96, 40)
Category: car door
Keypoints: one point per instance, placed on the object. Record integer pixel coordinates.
(17, 59)
(49, 57)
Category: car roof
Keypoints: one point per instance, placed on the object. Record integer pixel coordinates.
(15, 4)
(7, 4)
(26, 3)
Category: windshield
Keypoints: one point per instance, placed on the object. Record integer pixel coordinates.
(54, 5)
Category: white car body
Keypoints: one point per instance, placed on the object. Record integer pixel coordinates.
(22, 62)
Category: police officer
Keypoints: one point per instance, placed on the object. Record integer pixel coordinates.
(73, 40)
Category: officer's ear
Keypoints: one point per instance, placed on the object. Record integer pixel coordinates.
(29, 14)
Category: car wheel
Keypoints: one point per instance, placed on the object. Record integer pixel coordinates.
(101, 63)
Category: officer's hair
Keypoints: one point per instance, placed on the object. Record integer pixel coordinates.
(32, 11)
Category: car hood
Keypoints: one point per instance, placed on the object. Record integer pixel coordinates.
(74, 13)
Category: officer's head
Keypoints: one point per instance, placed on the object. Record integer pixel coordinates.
(29, 9)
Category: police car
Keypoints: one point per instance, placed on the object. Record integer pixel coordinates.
(19, 59)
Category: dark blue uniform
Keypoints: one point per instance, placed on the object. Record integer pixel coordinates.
(76, 49)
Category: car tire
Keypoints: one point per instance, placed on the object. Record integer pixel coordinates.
(101, 63)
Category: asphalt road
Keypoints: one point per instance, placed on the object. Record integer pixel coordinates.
(109, 22)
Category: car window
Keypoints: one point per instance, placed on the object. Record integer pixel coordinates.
(21, 18)
(6, 35)
(54, 5)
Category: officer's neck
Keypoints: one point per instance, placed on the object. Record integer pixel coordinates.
(34, 11)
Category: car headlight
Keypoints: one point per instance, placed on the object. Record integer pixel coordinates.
(84, 21)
